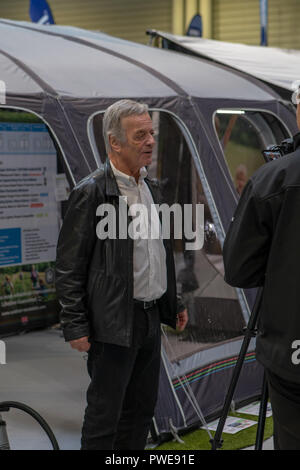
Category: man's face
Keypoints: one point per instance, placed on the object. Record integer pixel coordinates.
(136, 151)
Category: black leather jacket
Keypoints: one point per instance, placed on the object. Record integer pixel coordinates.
(262, 248)
(94, 277)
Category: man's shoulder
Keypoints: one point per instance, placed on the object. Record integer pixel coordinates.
(156, 188)
(278, 175)
(91, 182)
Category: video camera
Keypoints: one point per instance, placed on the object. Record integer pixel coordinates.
(273, 152)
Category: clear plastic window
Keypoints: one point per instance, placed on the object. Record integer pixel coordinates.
(243, 134)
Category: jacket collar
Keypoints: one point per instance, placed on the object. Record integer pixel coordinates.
(111, 186)
(153, 185)
(296, 139)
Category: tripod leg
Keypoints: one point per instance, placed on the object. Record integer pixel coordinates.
(4, 444)
(262, 415)
(216, 442)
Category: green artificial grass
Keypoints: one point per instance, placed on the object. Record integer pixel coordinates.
(199, 439)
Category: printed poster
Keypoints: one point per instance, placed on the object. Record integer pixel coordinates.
(253, 409)
(28, 208)
(29, 219)
(232, 425)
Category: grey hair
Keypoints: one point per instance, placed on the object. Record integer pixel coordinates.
(112, 119)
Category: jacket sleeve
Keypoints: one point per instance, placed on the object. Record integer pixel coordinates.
(248, 240)
(74, 249)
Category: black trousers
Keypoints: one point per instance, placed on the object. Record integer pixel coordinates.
(123, 390)
(285, 401)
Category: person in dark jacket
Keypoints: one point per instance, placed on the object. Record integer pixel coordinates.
(261, 248)
(115, 290)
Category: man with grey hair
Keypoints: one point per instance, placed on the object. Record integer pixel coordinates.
(115, 291)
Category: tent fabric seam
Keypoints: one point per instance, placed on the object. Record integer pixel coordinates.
(47, 89)
(170, 83)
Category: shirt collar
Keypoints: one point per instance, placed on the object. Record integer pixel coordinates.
(126, 179)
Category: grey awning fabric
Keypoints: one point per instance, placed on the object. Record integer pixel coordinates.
(67, 75)
(279, 67)
(15, 78)
(79, 63)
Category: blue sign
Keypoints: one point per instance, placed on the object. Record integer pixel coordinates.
(195, 27)
(40, 12)
(10, 246)
(263, 5)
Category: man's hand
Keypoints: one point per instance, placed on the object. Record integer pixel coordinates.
(81, 344)
(182, 319)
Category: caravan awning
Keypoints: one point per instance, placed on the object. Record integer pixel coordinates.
(75, 63)
(276, 67)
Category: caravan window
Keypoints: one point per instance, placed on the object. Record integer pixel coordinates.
(214, 310)
(243, 134)
(33, 188)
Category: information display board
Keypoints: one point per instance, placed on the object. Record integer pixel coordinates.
(29, 223)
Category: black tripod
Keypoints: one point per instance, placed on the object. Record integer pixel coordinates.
(250, 332)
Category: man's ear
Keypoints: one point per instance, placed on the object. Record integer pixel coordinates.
(114, 143)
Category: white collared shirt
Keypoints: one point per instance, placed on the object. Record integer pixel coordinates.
(149, 256)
